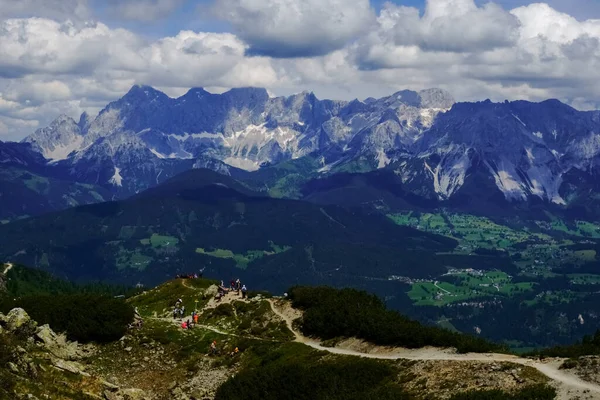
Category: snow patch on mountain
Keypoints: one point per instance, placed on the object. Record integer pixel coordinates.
(61, 152)
(382, 159)
(519, 119)
(449, 174)
(117, 179)
(58, 140)
(242, 163)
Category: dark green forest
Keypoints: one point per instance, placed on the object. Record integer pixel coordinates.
(86, 313)
(330, 313)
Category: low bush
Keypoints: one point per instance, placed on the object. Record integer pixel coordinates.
(344, 378)
(536, 392)
(7, 380)
(331, 313)
(589, 346)
(83, 317)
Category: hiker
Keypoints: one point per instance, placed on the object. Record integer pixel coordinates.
(213, 347)
(182, 311)
(244, 291)
(175, 312)
(234, 352)
(232, 284)
(238, 285)
(195, 319)
(183, 325)
(188, 324)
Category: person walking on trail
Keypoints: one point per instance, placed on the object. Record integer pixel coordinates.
(196, 319)
(244, 291)
(175, 312)
(238, 285)
(213, 347)
(188, 324)
(235, 352)
(182, 311)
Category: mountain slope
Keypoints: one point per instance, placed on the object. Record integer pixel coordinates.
(28, 187)
(146, 137)
(185, 226)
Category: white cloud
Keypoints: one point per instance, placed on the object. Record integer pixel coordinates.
(144, 10)
(291, 28)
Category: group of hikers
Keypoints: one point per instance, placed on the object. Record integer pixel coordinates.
(234, 285)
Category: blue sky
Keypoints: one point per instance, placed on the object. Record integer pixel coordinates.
(69, 56)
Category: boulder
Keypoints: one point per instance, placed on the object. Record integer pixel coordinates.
(18, 319)
(211, 291)
(57, 344)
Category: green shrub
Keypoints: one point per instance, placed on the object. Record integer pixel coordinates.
(589, 346)
(343, 378)
(537, 392)
(223, 310)
(331, 313)
(83, 317)
(7, 380)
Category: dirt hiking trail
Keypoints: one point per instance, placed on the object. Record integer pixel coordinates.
(7, 268)
(569, 386)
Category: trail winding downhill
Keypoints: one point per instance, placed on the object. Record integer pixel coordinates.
(564, 380)
(7, 268)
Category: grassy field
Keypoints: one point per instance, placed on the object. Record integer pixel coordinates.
(242, 260)
(132, 259)
(467, 286)
(159, 241)
(537, 252)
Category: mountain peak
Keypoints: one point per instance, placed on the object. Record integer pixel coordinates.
(144, 92)
(248, 91)
(436, 98)
(195, 92)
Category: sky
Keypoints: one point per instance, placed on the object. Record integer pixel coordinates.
(69, 56)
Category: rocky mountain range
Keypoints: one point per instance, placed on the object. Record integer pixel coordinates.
(521, 150)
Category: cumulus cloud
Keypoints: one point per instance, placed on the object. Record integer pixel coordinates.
(144, 10)
(291, 28)
(36, 45)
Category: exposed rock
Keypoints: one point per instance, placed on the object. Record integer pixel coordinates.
(58, 345)
(13, 367)
(211, 291)
(126, 394)
(70, 366)
(109, 386)
(18, 318)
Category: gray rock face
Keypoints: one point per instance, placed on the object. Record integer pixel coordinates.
(58, 140)
(436, 146)
(147, 137)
